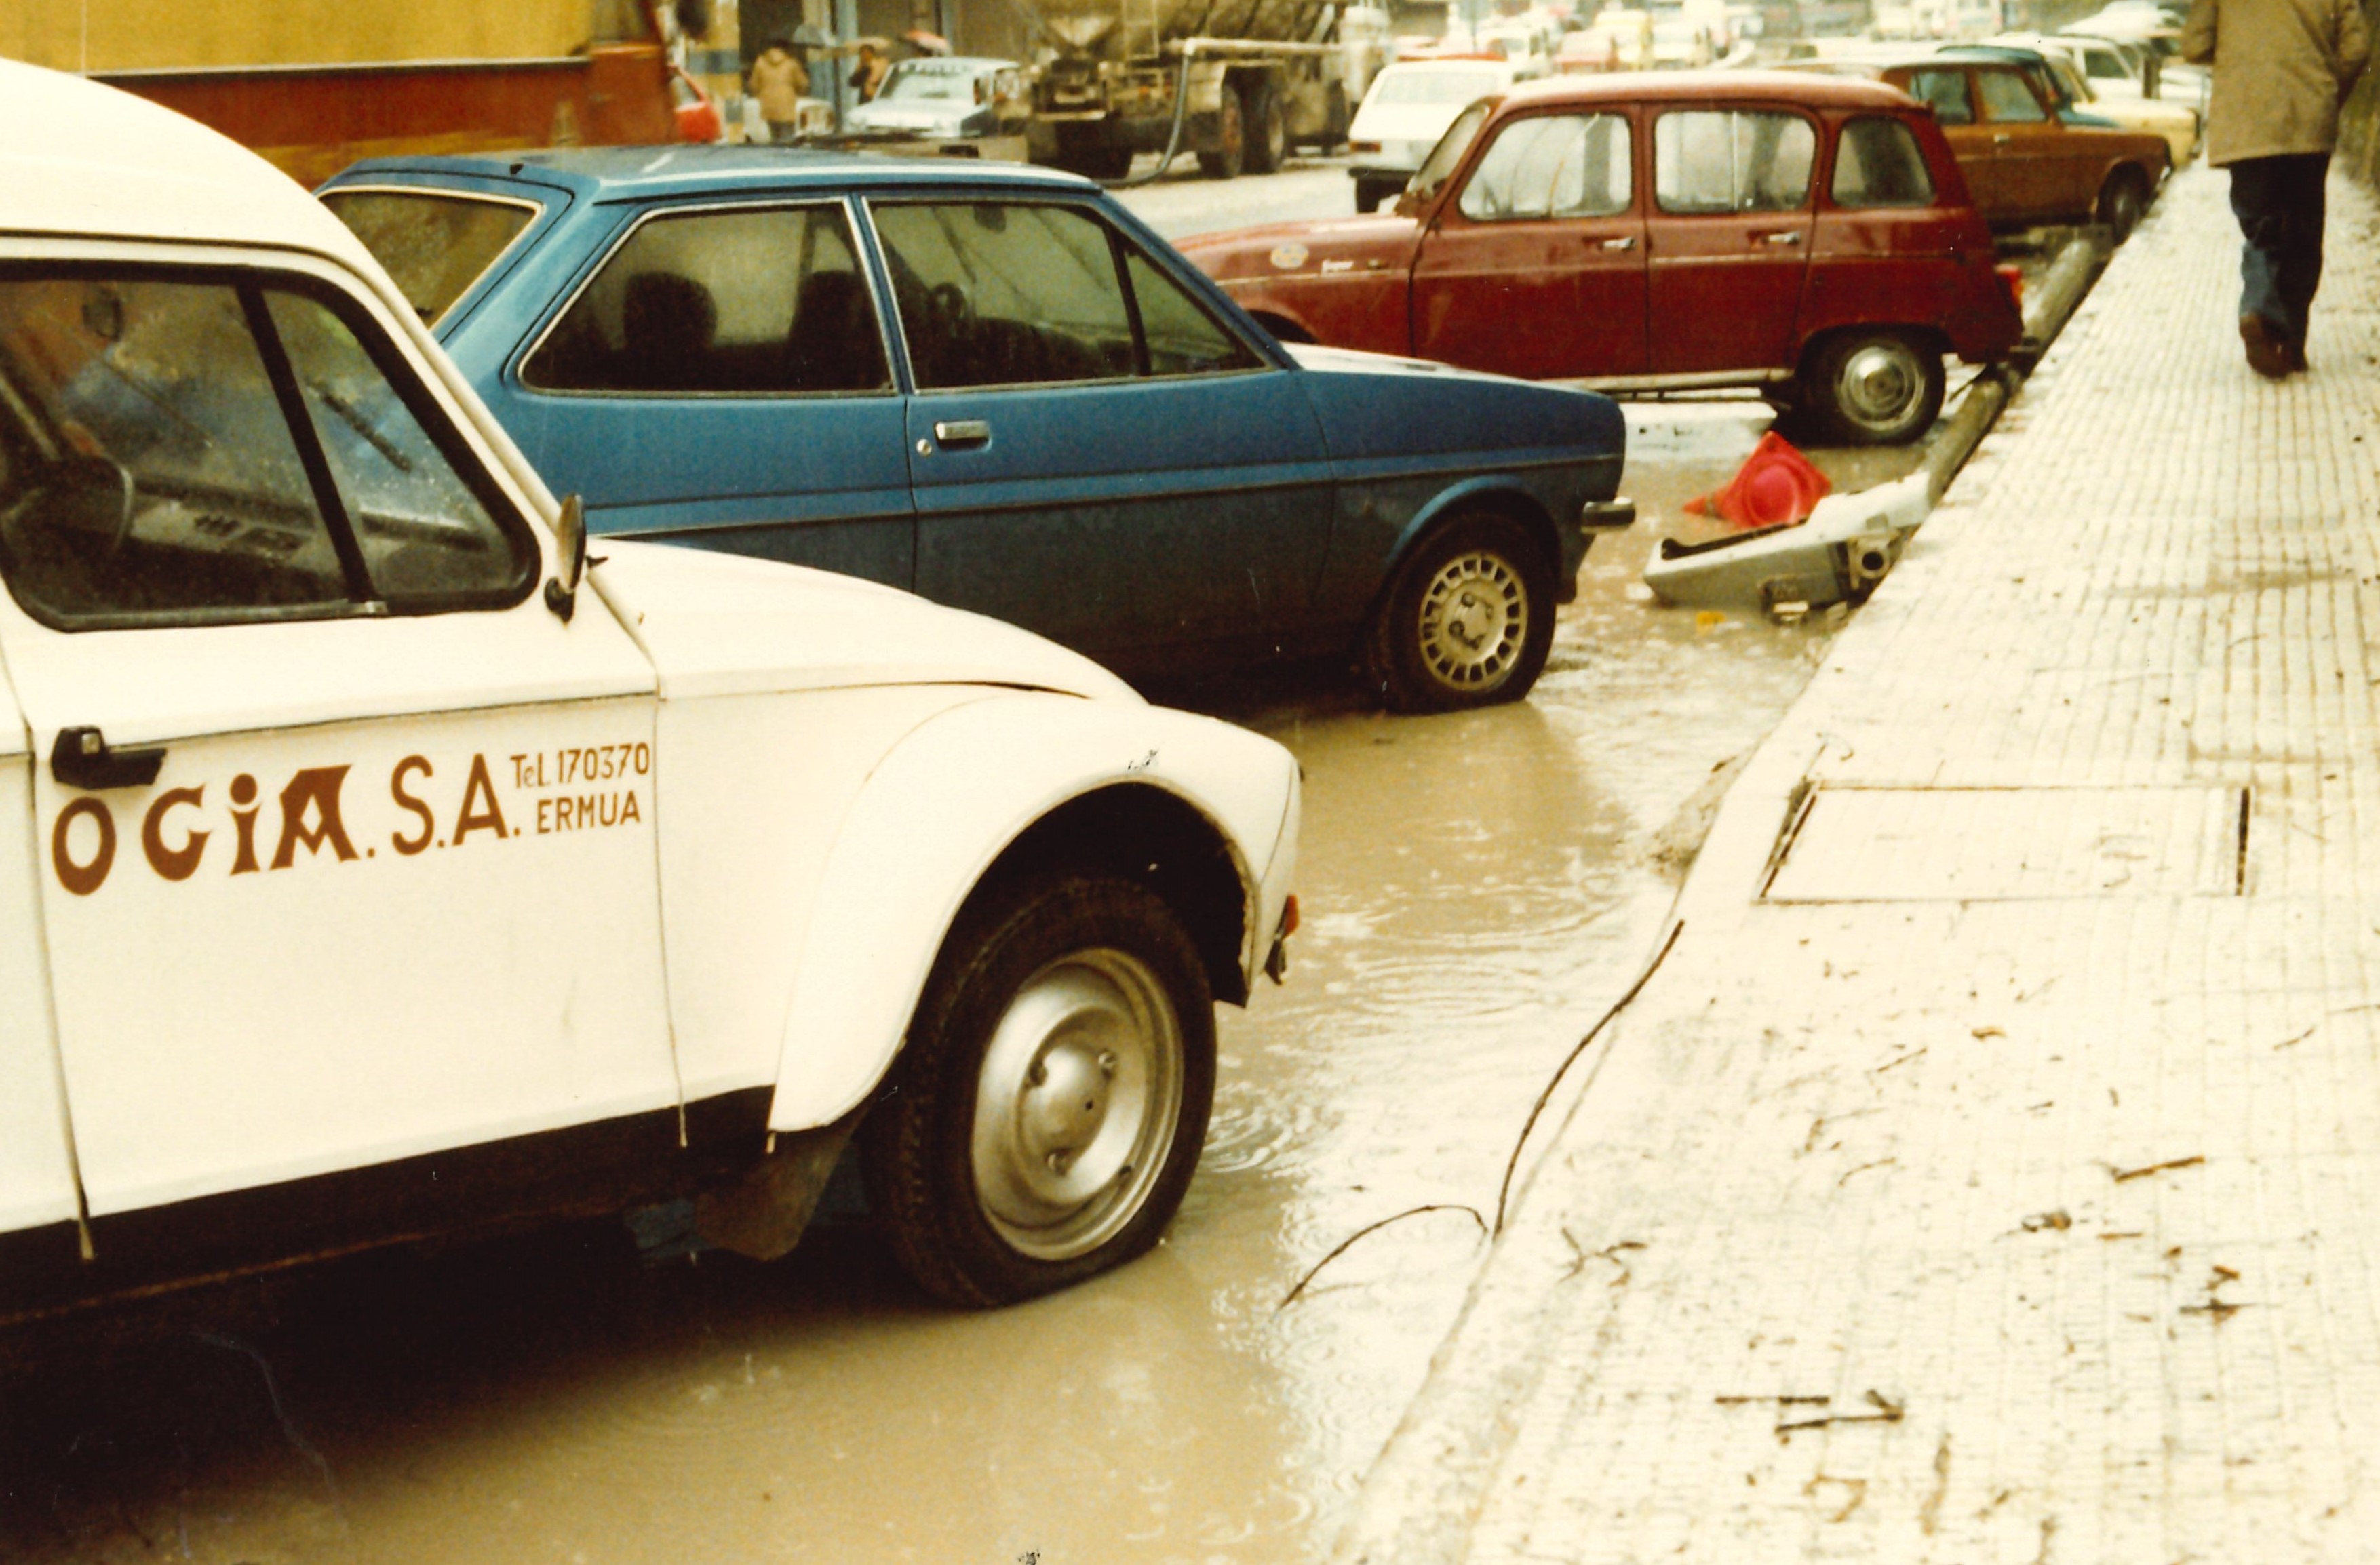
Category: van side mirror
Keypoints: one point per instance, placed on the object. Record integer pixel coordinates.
(570, 558)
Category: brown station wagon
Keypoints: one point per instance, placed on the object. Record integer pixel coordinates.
(2029, 157)
(1808, 236)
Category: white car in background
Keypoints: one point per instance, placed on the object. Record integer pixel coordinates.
(1619, 39)
(1526, 47)
(1409, 107)
(1680, 45)
(2119, 66)
(388, 869)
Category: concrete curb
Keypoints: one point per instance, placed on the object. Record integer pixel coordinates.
(1425, 1496)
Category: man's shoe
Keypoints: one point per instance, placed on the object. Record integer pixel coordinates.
(2296, 359)
(2267, 354)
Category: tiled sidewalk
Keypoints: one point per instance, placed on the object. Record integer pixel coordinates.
(2051, 1214)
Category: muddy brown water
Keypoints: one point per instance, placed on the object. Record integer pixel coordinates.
(1477, 889)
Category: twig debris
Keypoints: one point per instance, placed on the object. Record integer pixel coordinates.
(2125, 1175)
(1886, 1412)
(1608, 1252)
(1349, 1243)
(1878, 1163)
(1504, 1191)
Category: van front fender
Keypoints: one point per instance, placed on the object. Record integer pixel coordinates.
(938, 813)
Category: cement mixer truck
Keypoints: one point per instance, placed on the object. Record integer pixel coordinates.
(1238, 82)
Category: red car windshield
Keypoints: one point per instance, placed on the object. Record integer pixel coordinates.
(1450, 149)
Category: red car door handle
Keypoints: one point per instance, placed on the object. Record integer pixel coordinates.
(1782, 236)
(1625, 242)
(2000, 141)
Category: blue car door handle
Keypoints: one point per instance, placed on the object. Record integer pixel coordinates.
(964, 431)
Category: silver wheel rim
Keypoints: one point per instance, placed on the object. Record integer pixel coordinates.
(1880, 383)
(1077, 1104)
(1475, 619)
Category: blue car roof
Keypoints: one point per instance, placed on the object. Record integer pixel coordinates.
(646, 173)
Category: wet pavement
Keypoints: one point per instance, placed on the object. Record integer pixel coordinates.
(1183, 201)
(1477, 889)
(1988, 1173)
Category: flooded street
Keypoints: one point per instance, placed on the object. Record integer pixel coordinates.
(1476, 889)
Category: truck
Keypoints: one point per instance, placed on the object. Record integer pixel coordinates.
(1238, 82)
(314, 85)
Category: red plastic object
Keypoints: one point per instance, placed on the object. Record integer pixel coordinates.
(1775, 485)
(2014, 280)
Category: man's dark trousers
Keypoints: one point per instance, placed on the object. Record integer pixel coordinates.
(2278, 203)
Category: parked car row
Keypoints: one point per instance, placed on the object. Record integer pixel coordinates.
(286, 586)
(1005, 395)
(2105, 78)
(1810, 237)
(2030, 151)
(1785, 231)
(689, 858)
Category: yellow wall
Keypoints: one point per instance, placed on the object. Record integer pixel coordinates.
(150, 35)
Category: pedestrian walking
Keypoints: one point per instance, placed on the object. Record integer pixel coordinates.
(2282, 68)
(780, 82)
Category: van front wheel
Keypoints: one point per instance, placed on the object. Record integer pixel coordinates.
(1049, 1106)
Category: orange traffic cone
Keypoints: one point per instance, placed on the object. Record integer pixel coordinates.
(1775, 485)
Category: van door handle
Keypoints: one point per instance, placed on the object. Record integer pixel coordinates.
(1782, 236)
(2001, 139)
(964, 431)
(81, 759)
(1625, 242)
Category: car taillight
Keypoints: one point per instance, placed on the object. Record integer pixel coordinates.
(2014, 280)
(1362, 146)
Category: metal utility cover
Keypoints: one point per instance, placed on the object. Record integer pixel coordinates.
(2012, 845)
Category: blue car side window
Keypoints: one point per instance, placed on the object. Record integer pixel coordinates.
(436, 244)
(1014, 292)
(1000, 293)
(727, 301)
(1183, 338)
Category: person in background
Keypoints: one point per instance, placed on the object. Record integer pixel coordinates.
(780, 82)
(868, 76)
(2282, 68)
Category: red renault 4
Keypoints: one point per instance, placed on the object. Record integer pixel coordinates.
(1807, 236)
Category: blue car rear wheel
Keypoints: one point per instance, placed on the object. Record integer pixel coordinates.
(1468, 620)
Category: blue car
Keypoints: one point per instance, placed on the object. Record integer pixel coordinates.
(992, 386)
